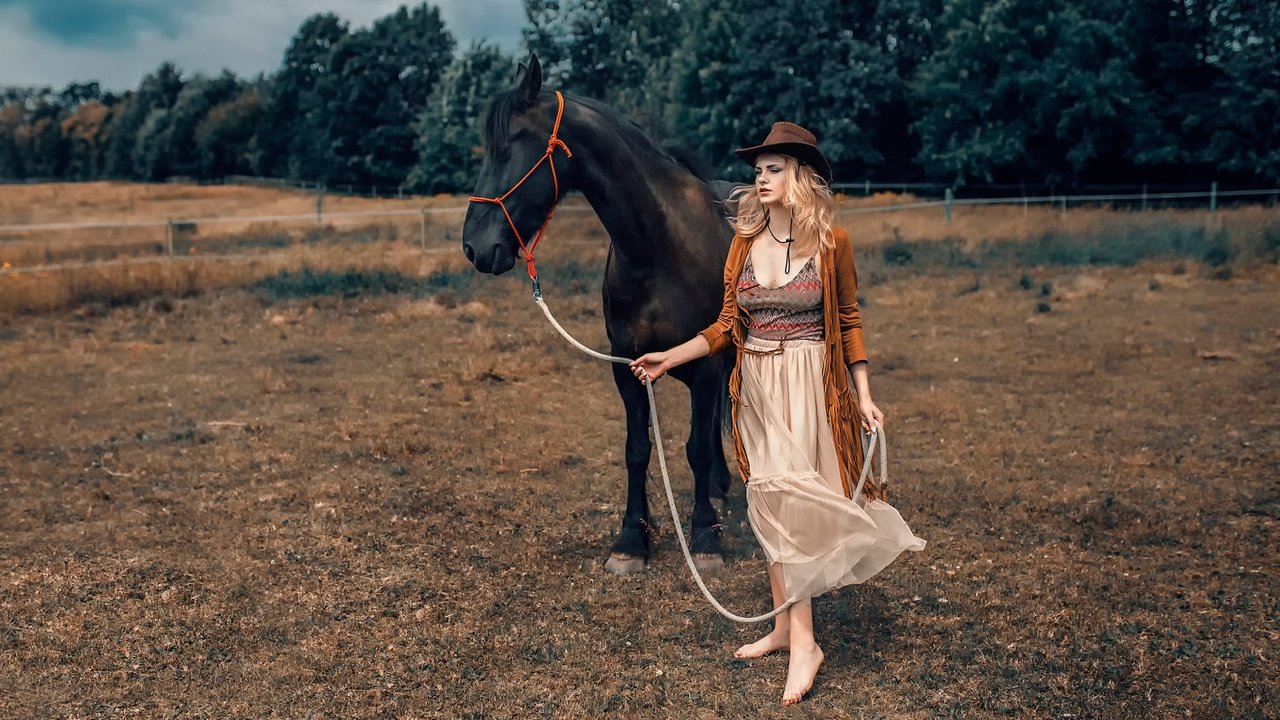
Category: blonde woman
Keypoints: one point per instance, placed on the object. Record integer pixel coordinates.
(791, 310)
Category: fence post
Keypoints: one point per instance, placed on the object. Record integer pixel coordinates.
(1144, 197)
(1213, 197)
(866, 187)
(169, 234)
(1064, 206)
(422, 231)
(950, 198)
(319, 205)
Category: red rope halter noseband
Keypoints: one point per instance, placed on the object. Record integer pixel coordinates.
(549, 156)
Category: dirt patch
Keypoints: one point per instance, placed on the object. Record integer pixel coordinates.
(398, 506)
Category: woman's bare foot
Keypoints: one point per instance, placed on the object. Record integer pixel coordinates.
(801, 672)
(774, 641)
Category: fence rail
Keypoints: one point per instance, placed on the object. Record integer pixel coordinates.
(864, 187)
(1212, 197)
(1209, 200)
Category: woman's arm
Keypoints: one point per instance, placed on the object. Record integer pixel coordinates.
(847, 300)
(654, 365)
(719, 333)
(709, 341)
(871, 414)
(855, 352)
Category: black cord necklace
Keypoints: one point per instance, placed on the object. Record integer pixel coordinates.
(786, 270)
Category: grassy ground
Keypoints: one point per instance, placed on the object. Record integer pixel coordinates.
(232, 236)
(260, 503)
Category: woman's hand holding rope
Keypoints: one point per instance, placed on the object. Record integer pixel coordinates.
(651, 366)
(871, 415)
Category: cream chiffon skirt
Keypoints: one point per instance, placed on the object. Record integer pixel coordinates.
(795, 501)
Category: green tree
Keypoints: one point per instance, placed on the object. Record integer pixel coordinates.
(1247, 143)
(1211, 78)
(150, 158)
(747, 63)
(1024, 90)
(12, 117)
(448, 143)
(285, 142)
(158, 91)
(375, 84)
(618, 51)
(905, 33)
(224, 137)
(42, 151)
(199, 95)
(85, 130)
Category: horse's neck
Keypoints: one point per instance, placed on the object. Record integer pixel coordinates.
(631, 184)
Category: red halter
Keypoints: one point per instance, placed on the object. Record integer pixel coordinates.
(549, 156)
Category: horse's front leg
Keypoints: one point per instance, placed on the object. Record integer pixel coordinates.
(631, 551)
(703, 450)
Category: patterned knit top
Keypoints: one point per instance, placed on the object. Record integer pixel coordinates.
(792, 311)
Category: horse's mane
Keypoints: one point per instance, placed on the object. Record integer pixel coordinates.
(497, 129)
(690, 159)
(497, 121)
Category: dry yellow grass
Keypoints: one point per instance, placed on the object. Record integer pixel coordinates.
(973, 224)
(67, 285)
(61, 222)
(132, 202)
(220, 242)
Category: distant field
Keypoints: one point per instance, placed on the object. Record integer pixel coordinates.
(68, 243)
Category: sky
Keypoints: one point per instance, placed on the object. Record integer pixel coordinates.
(116, 42)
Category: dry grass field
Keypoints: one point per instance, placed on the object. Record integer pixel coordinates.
(66, 244)
(265, 502)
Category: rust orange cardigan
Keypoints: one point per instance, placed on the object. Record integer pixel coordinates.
(842, 333)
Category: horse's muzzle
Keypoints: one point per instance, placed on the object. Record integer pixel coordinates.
(496, 259)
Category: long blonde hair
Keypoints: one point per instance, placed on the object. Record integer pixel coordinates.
(812, 208)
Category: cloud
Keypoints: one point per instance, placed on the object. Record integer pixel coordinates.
(101, 23)
(116, 42)
(500, 21)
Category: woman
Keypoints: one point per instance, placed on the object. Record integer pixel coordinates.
(790, 308)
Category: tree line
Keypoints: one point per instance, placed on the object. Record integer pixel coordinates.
(1030, 92)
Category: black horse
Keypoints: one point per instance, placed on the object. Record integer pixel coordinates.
(663, 277)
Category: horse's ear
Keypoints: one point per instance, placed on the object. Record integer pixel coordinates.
(530, 82)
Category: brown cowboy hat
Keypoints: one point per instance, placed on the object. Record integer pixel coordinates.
(790, 139)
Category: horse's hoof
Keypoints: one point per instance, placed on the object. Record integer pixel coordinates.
(708, 562)
(623, 564)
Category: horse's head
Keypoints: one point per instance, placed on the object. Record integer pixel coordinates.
(517, 127)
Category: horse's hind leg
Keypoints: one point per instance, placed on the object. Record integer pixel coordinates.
(720, 478)
(704, 451)
(631, 551)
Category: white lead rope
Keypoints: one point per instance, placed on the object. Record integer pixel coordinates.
(876, 434)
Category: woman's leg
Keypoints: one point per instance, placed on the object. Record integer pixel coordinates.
(806, 656)
(779, 639)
